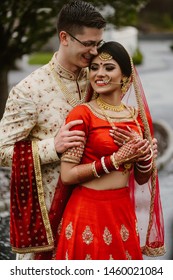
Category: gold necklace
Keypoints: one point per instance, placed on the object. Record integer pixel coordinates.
(104, 113)
(106, 106)
(110, 121)
(68, 95)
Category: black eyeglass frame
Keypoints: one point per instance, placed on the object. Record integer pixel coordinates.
(88, 44)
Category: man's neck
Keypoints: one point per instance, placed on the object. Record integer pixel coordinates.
(66, 65)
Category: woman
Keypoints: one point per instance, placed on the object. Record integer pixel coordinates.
(99, 221)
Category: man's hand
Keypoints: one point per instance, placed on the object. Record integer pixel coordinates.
(66, 139)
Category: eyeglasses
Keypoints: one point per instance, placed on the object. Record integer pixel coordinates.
(88, 44)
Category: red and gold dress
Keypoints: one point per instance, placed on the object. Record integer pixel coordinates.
(99, 224)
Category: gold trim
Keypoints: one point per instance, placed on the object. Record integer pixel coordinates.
(40, 191)
(99, 114)
(33, 249)
(153, 252)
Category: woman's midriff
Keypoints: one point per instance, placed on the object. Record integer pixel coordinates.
(114, 180)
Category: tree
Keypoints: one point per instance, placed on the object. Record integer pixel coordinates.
(25, 26)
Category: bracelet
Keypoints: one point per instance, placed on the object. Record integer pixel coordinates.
(115, 164)
(104, 166)
(108, 163)
(144, 166)
(144, 171)
(150, 156)
(94, 170)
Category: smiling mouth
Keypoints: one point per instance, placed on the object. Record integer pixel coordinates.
(103, 82)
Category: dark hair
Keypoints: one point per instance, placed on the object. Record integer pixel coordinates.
(119, 54)
(77, 14)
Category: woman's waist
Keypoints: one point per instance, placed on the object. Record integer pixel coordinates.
(114, 180)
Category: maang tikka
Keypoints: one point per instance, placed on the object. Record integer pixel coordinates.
(105, 56)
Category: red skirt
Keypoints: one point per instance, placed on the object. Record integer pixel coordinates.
(98, 225)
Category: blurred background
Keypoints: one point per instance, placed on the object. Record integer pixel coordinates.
(28, 40)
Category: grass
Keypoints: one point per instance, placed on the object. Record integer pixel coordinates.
(40, 58)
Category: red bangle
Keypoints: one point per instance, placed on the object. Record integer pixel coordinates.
(109, 164)
(99, 167)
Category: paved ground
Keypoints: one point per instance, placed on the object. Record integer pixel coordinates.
(157, 78)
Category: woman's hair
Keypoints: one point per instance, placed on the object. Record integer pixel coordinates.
(77, 14)
(119, 54)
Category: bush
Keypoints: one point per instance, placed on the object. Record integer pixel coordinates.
(137, 57)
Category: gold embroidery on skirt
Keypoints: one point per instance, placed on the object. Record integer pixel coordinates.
(88, 257)
(66, 255)
(69, 231)
(128, 256)
(87, 235)
(124, 233)
(107, 236)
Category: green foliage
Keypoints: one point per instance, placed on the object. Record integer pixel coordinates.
(25, 26)
(40, 58)
(137, 57)
(124, 12)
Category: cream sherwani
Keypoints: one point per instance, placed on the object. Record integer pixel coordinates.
(35, 110)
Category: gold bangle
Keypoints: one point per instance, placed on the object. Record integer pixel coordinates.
(94, 170)
(115, 164)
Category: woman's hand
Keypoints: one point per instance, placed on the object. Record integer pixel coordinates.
(133, 151)
(122, 136)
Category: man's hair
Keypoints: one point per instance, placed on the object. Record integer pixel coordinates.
(77, 14)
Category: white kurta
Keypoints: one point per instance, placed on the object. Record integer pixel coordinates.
(36, 108)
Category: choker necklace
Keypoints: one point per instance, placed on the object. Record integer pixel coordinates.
(102, 104)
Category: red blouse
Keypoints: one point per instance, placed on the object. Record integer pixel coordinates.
(98, 140)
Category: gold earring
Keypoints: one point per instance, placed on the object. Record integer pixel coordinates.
(125, 85)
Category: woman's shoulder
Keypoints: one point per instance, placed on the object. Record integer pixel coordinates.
(80, 111)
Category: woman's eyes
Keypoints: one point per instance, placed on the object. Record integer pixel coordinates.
(93, 67)
(107, 68)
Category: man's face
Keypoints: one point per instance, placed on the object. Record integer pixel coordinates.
(81, 47)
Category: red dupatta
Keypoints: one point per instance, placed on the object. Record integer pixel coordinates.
(146, 198)
(32, 228)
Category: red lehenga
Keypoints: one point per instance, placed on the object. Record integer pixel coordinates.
(99, 225)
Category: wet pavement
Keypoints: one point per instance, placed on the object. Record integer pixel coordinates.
(156, 74)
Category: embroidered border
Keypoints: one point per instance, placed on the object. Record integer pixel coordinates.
(41, 198)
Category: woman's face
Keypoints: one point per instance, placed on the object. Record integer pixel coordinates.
(105, 75)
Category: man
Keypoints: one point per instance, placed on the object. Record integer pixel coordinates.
(37, 106)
